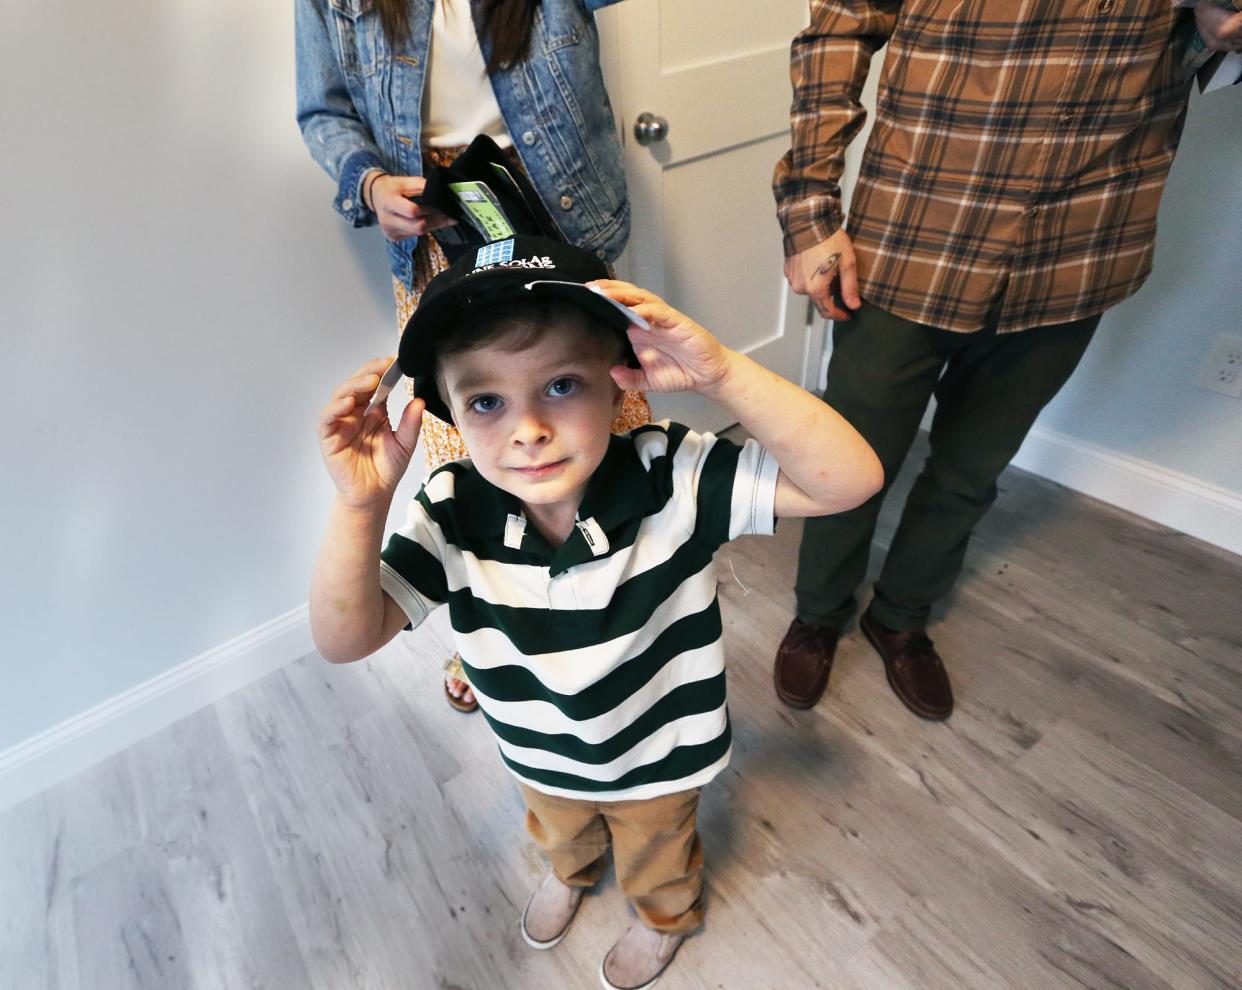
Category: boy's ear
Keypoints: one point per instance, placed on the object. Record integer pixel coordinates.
(446, 399)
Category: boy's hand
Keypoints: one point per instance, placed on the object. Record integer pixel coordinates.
(676, 354)
(364, 455)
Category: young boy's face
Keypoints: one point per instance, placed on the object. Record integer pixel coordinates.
(537, 420)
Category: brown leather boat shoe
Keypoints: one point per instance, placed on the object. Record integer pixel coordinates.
(914, 669)
(803, 663)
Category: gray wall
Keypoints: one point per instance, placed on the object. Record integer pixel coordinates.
(1134, 393)
(176, 297)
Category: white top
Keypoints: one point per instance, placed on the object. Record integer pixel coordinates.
(458, 102)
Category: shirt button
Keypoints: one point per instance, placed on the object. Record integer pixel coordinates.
(1032, 211)
(567, 202)
(528, 138)
(348, 204)
(1105, 6)
(1067, 116)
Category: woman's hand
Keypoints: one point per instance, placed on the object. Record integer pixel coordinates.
(364, 456)
(400, 217)
(676, 354)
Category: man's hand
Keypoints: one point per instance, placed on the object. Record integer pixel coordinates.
(398, 215)
(364, 456)
(1221, 30)
(676, 354)
(818, 270)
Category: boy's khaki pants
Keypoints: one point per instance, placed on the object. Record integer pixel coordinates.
(655, 847)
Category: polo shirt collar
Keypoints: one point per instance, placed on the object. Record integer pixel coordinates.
(620, 488)
(619, 491)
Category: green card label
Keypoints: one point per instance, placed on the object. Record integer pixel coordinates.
(482, 209)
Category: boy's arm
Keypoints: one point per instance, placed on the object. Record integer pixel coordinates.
(826, 465)
(350, 616)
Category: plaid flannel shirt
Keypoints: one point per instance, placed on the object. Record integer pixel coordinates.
(1017, 159)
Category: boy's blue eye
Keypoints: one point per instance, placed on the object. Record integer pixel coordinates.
(485, 404)
(563, 386)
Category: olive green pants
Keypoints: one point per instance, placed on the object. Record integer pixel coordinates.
(989, 389)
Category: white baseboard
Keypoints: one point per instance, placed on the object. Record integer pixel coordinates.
(1170, 498)
(75, 744)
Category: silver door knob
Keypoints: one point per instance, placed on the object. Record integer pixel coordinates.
(650, 128)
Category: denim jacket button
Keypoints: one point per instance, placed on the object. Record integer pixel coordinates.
(601, 253)
(348, 204)
(567, 202)
(528, 138)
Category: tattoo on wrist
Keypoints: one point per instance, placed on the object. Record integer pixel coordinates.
(830, 265)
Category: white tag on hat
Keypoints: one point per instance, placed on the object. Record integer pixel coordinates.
(629, 314)
(386, 384)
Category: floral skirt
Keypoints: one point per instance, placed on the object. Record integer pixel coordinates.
(441, 441)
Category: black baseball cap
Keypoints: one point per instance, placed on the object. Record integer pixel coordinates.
(519, 267)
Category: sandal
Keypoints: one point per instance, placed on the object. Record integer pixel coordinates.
(453, 668)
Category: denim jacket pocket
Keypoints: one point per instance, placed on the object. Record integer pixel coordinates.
(358, 36)
(559, 26)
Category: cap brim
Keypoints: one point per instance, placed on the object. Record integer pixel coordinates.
(593, 300)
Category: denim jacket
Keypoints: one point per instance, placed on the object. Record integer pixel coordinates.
(359, 107)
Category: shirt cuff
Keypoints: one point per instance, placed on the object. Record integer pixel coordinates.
(753, 509)
(413, 603)
(809, 222)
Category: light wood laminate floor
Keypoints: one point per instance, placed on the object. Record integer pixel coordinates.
(1076, 823)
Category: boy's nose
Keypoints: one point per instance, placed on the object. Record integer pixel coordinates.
(531, 430)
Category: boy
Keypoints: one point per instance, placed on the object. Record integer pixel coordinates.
(577, 566)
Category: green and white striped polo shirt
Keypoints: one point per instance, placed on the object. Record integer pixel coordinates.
(599, 665)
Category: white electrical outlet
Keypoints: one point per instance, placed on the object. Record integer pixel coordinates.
(1222, 372)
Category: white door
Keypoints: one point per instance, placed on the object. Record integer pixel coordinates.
(705, 234)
